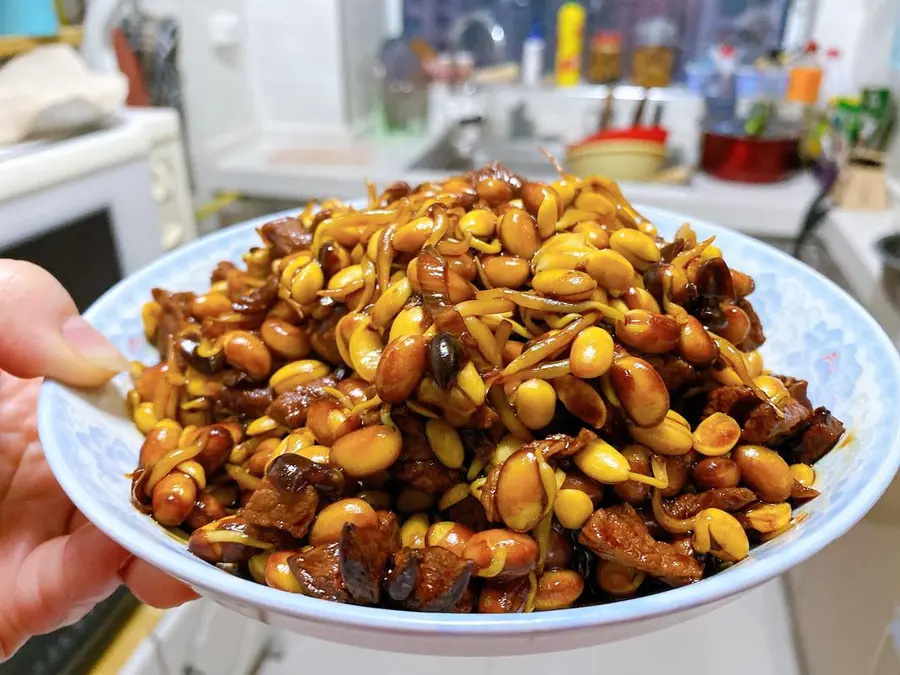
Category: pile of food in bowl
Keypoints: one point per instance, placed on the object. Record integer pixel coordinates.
(484, 394)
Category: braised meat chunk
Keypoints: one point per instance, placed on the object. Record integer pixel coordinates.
(798, 390)
(249, 402)
(291, 407)
(175, 308)
(364, 556)
(287, 499)
(619, 535)
(428, 476)
(736, 401)
(768, 426)
(763, 422)
(823, 433)
(292, 512)
(689, 504)
(318, 572)
(286, 235)
(256, 300)
(431, 579)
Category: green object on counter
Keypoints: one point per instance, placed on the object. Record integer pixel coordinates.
(878, 114)
(381, 128)
(846, 119)
(875, 102)
(758, 119)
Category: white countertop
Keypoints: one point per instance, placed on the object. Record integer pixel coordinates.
(276, 168)
(850, 238)
(35, 165)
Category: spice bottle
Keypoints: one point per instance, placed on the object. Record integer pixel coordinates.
(569, 44)
(533, 58)
(805, 77)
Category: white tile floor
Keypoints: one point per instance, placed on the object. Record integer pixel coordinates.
(750, 636)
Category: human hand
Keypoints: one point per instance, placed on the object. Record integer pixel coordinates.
(54, 564)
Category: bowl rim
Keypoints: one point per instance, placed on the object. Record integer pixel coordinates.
(199, 574)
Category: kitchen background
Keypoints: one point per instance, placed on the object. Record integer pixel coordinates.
(158, 121)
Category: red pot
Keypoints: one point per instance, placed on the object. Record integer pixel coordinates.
(749, 159)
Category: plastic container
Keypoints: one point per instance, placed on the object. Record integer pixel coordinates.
(533, 58)
(725, 61)
(698, 75)
(32, 18)
(832, 86)
(752, 83)
(805, 78)
(804, 83)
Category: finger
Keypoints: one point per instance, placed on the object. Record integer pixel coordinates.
(43, 336)
(77, 521)
(154, 587)
(63, 578)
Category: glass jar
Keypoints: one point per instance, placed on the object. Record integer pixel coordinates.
(651, 66)
(605, 58)
(653, 59)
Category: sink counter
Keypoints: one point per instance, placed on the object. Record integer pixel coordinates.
(278, 169)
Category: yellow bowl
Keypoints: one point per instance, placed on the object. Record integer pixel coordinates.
(620, 159)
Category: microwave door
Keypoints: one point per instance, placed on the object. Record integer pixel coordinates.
(81, 254)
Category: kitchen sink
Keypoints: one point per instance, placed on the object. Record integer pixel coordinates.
(523, 157)
(813, 254)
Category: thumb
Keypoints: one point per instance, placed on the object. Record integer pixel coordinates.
(42, 335)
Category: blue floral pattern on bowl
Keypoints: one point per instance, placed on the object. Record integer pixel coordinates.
(815, 331)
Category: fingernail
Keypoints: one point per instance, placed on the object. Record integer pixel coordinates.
(92, 345)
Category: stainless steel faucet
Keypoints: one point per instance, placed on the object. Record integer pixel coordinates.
(487, 21)
(465, 136)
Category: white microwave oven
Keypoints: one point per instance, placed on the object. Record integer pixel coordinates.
(94, 207)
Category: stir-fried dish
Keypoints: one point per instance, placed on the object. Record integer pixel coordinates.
(485, 394)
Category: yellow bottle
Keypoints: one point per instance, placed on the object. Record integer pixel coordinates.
(569, 44)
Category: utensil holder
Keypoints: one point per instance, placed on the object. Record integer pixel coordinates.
(862, 184)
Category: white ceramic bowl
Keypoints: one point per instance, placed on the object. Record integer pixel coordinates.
(815, 332)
